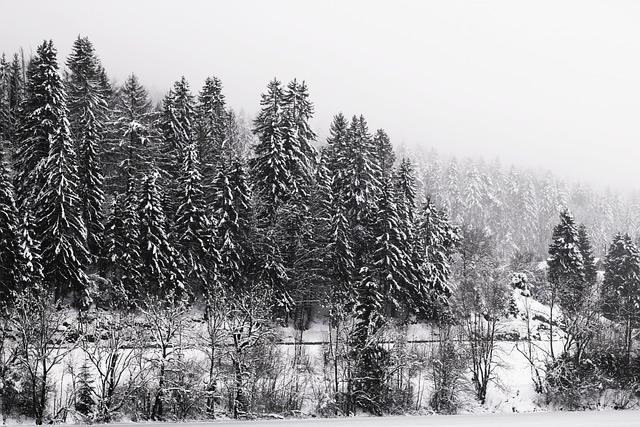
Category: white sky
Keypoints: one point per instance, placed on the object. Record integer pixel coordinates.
(551, 84)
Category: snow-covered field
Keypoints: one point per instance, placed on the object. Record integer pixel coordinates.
(532, 419)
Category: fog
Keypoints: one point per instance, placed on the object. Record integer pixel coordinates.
(546, 84)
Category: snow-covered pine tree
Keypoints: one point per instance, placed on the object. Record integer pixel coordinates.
(43, 117)
(474, 196)
(432, 179)
(362, 186)
(405, 186)
(270, 163)
(437, 240)
(384, 154)
(5, 73)
(529, 213)
(391, 267)
(336, 154)
(298, 137)
(15, 268)
(340, 258)
(621, 286)
(369, 387)
(161, 269)
(193, 232)
(85, 391)
(48, 179)
(131, 149)
(11, 97)
(283, 169)
(121, 256)
(176, 125)
(87, 103)
(211, 130)
(566, 272)
(590, 270)
(177, 118)
(452, 184)
(232, 221)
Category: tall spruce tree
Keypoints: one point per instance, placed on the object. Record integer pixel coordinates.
(566, 270)
(336, 154)
(299, 136)
(232, 220)
(131, 149)
(270, 164)
(5, 73)
(211, 129)
(43, 117)
(161, 269)
(11, 98)
(369, 385)
(384, 154)
(47, 178)
(436, 242)
(590, 270)
(193, 231)
(122, 257)
(87, 101)
(15, 259)
(621, 286)
(391, 267)
(405, 187)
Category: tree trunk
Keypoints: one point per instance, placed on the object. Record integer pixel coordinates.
(156, 413)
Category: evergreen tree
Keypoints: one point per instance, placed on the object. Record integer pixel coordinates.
(298, 136)
(437, 241)
(369, 386)
(178, 116)
(232, 213)
(453, 198)
(384, 154)
(48, 181)
(58, 222)
(212, 122)
(177, 126)
(44, 116)
(15, 268)
(133, 134)
(341, 264)
(122, 245)
(391, 267)
(566, 271)
(474, 196)
(337, 155)
(85, 402)
(362, 188)
(88, 114)
(584, 243)
(621, 286)
(406, 191)
(192, 226)
(11, 97)
(270, 164)
(161, 270)
(4, 98)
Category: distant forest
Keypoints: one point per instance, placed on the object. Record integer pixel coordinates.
(114, 206)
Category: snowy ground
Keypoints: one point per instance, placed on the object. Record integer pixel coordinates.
(532, 419)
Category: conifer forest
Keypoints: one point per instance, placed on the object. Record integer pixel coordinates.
(177, 260)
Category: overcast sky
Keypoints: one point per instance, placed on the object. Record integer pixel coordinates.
(548, 84)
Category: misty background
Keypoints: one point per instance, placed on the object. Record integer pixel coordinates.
(543, 84)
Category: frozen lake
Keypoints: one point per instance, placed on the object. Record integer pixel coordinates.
(532, 419)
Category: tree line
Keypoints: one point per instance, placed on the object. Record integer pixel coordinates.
(114, 205)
